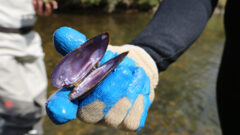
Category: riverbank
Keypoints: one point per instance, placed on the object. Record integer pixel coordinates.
(116, 6)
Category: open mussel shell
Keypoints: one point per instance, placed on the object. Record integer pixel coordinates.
(77, 64)
(96, 76)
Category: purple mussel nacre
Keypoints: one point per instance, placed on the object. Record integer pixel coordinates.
(79, 68)
(77, 64)
(96, 76)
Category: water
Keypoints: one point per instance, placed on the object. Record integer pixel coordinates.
(185, 97)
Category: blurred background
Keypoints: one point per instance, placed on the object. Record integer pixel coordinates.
(185, 97)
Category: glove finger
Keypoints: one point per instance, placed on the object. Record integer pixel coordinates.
(136, 117)
(132, 120)
(146, 103)
(59, 108)
(118, 112)
(67, 39)
(92, 113)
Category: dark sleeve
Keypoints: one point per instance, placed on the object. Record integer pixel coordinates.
(174, 27)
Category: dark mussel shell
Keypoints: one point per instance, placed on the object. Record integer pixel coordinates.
(77, 64)
(96, 76)
(78, 67)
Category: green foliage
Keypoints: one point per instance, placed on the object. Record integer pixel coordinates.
(149, 2)
(221, 3)
(46, 1)
(110, 4)
(91, 2)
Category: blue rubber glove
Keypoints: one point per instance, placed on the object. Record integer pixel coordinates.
(59, 108)
(121, 100)
(62, 37)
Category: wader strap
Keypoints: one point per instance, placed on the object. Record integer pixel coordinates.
(23, 30)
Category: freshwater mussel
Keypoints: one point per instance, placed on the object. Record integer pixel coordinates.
(80, 68)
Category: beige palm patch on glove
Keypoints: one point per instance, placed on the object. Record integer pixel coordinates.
(118, 116)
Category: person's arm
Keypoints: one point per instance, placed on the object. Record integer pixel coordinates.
(174, 27)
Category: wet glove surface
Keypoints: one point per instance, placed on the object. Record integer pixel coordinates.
(121, 100)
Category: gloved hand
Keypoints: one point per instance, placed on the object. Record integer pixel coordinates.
(123, 98)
